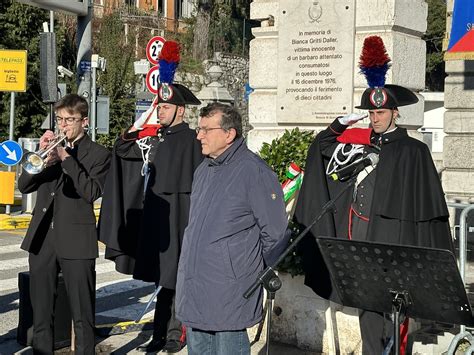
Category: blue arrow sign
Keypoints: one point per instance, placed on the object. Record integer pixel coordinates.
(10, 153)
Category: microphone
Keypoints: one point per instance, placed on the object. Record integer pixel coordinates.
(355, 167)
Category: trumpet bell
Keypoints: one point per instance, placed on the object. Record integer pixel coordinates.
(33, 163)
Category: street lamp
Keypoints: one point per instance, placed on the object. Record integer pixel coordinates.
(96, 63)
(83, 10)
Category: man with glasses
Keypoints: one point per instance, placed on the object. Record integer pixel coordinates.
(62, 234)
(144, 215)
(237, 224)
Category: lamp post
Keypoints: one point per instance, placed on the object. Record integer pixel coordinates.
(96, 62)
(83, 10)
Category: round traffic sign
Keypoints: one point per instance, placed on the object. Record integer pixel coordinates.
(153, 79)
(10, 153)
(153, 48)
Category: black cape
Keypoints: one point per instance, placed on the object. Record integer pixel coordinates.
(408, 205)
(143, 231)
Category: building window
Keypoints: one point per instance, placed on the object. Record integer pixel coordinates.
(177, 9)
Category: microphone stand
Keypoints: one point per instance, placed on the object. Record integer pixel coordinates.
(270, 280)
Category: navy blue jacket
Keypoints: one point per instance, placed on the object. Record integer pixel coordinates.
(237, 223)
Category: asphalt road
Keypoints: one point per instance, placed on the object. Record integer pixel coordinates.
(119, 297)
(119, 300)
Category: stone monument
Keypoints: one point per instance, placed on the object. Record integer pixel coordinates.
(303, 62)
(314, 61)
(308, 45)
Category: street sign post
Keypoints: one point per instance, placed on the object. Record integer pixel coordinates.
(10, 153)
(13, 70)
(83, 9)
(152, 80)
(85, 66)
(153, 49)
(141, 106)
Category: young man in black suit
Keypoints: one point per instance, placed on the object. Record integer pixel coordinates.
(62, 234)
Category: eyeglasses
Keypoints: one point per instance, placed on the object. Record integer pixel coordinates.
(68, 120)
(206, 130)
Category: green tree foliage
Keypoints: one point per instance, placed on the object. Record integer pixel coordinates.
(118, 81)
(225, 30)
(200, 29)
(66, 29)
(434, 36)
(292, 147)
(186, 39)
(223, 25)
(20, 26)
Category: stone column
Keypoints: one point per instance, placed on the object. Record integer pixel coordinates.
(458, 147)
(263, 73)
(400, 23)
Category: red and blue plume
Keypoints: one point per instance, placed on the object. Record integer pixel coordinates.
(374, 61)
(168, 61)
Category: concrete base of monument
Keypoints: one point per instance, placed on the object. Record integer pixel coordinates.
(303, 319)
(308, 322)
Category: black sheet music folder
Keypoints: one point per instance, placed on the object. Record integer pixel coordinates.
(368, 275)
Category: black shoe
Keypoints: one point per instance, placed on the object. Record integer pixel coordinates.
(173, 346)
(153, 346)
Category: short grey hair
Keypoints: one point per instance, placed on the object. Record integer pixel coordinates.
(231, 117)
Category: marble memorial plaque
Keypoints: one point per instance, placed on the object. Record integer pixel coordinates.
(315, 60)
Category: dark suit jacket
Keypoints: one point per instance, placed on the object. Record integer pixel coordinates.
(66, 192)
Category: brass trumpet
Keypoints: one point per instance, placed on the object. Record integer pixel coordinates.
(34, 162)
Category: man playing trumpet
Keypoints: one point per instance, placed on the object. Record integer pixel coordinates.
(62, 234)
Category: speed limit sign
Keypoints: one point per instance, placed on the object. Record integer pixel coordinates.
(153, 79)
(153, 49)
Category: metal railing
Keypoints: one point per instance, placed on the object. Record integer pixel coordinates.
(466, 208)
(134, 14)
(463, 334)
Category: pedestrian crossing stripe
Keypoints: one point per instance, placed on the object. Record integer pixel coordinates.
(109, 283)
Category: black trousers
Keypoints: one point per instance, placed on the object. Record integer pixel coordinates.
(165, 324)
(375, 329)
(79, 279)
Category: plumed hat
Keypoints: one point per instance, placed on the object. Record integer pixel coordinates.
(374, 63)
(169, 92)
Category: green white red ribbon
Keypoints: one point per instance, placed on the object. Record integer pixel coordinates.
(294, 181)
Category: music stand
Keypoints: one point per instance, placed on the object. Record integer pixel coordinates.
(418, 282)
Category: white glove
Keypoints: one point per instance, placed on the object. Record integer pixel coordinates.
(138, 124)
(351, 118)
